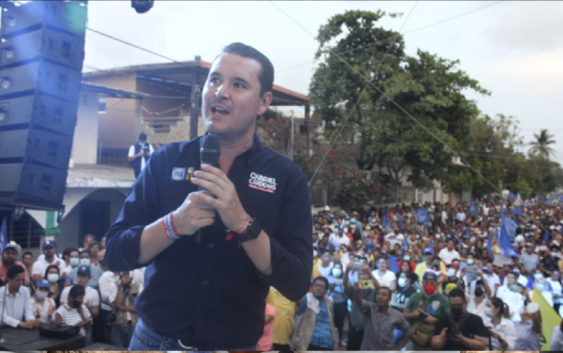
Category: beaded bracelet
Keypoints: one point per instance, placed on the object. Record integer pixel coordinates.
(232, 233)
(169, 227)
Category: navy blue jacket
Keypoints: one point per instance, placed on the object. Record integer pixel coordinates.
(211, 294)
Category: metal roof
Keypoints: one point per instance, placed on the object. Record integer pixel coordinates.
(111, 92)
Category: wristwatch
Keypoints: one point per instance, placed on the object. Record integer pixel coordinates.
(252, 231)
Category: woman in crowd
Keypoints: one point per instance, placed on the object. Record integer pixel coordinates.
(529, 329)
(43, 307)
(478, 250)
(555, 282)
(406, 287)
(56, 286)
(503, 334)
(556, 344)
(94, 250)
(74, 313)
(337, 294)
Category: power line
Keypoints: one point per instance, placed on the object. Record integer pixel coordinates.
(381, 41)
(392, 101)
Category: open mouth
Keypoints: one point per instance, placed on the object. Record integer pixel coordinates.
(219, 110)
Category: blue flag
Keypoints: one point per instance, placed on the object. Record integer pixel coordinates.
(549, 201)
(405, 247)
(467, 233)
(423, 216)
(399, 220)
(490, 243)
(3, 235)
(472, 209)
(516, 211)
(393, 265)
(506, 237)
(385, 223)
(546, 236)
(512, 196)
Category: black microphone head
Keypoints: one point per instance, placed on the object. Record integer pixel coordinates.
(210, 150)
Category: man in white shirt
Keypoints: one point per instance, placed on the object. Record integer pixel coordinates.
(15, 301)
(91, 298)
(395, 237)
(448, 254)
(460, 216)
(492, 278)
(325, 266)
(74, 261)
(39, 266)
(385, 277)
(139, 154)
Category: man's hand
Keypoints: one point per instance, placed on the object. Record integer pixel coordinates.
(415, 314)
(443, 337)
(52, 309)
(193, 215)
(366, 269)
(36, 323)
(226, 201)
(494, 334)
(430, 319)
(458, 338)
(28, 324)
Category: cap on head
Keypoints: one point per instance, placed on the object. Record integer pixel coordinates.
(429, 251)
(430, 276)
(83, 270)
(42, 283)
(10, 246)
(50, 243)
(142, 136)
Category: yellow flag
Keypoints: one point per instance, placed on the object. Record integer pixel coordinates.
(550, 319)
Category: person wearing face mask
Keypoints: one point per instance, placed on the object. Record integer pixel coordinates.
(338, 239)
(428, 264)
(423, 310)
(459, 330)
(540, 282)
(501, 329)
(49, 258)
(555, 282)
(73, 261)
(549, 263)
(43, 307)
(405, 288)
(52, 274)
(385, 277)
(338, 296)
(511, 294)
(95, 272)
(74, 313)
(407, 258)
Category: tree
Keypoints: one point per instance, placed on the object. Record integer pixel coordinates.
(542, 143)
(428, 87)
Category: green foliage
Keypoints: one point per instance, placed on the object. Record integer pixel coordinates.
(357, 189)
(541, 147)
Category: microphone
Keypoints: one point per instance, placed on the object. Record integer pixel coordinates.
(209, 154)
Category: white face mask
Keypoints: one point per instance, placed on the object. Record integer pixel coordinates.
(470, 261)
(406, 258)
(53, 277)
(488, 312)
(401, 281)
(41, 295)
(314, 253)
(451, 272)
(538, 276)
(337, 272)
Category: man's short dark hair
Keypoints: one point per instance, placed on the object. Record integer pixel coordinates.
(27, 253)
(14, 271)
(84, 252)
(412, 277)
(266, 75)
(321, 278)
(68, 250)
(457, 293)
(385, 288)
(142, 136)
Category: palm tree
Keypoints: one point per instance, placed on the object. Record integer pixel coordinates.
(541, 145)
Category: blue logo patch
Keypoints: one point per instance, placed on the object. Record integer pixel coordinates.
(178, 173)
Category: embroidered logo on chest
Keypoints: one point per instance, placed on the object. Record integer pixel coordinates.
(262, 183)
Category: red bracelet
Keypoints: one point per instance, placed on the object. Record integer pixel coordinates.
(232, 233)
(173, 226)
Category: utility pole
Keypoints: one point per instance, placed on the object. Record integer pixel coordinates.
(291, 140)
(195, 100)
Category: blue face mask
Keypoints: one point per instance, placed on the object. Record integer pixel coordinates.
(74, 261)
(85, 262)
(347, 222)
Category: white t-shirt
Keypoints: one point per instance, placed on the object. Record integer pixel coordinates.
(325, 271)
(395, 239)
(557, 289)
(71, 316)
(43, 310)
(493, 281)
(41, 265)
(477, 309)
(448, 256)
(337, 241)
(132, 153)
(460, 216)
(514, 300)
(91, 297)
(387, 280)
(507, 332)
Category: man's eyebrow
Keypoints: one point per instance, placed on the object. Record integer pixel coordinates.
(240, 79)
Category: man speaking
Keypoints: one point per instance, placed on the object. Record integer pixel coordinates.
(211, 255)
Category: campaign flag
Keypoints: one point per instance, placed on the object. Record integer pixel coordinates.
(549, 317)
(472, 209)
(393, 265)
(511, 196)
(507, 232)
(516, 211)
(467, 233)
(423, 216)
(550, 201)
(546, 237)
(399, 220)
(405, 247)
(385, 223)
(3, 235)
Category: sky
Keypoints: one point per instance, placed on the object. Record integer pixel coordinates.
(515, 49)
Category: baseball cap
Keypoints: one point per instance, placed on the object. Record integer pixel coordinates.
(485, 269)
(83, 270)
(429, 250)
(11, 246)
(50, 243)
(430, 275)
(42, 283)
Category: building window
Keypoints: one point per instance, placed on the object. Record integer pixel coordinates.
(102, 106)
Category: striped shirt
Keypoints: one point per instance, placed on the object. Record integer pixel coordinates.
(71, 316)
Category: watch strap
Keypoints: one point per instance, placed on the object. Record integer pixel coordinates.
(252, 231)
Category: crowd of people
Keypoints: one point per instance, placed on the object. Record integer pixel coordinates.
(74, 288)
(430, 277)
(382, 279)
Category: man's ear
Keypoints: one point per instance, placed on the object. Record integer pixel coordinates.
(265, 102)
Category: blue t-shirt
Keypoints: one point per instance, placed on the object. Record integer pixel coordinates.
(95, 274)
(322, 336)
